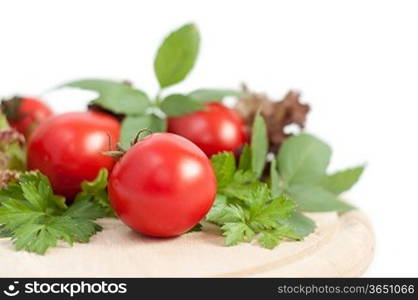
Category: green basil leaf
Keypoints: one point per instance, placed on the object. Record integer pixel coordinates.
(245, 158)
(131, 125)
(303, 159)
(316, 199)
(177, 105)
(259, 145)
(301, 225)
(276, 188)
(209, 95)
(343, 180)
(177, 55)
(115, 96)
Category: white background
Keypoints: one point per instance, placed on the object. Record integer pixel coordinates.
(356, 63)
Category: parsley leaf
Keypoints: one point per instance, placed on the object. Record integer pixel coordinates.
(96, 191)
(224, 167)
(36, 219)
(245, 207)
(236, 233)
(271, 238)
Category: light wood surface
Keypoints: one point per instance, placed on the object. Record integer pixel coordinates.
(341, 246)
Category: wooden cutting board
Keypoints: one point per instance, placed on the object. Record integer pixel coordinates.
(342, 245)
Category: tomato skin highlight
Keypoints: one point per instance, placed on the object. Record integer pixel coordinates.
(215, 129)
(68, 149)
(29, 114)
(163, 185)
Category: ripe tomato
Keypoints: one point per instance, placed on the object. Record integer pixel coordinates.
(214, 129)
(25, 114)
(68, 149)
(162, 186)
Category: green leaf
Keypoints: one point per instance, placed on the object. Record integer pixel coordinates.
(93, 192)
(342, 181)
(131, 125)
(178, 105)
(276, 188)
(12, 149)
(33, 238)
(271, 238)
(303, 159)
(209, 95)
(245, 158)
(259, 144)
(4, 124)
(196, 228)
(223, 213)
(98, 184)
(249, 193)
(85, 210)
(115, 96)
(177, 55)
(224, 167)
(316, 199)
(236, 233)
(243, 178)
(32, 195)
(269, 215)
(36, 219)
(301, 224)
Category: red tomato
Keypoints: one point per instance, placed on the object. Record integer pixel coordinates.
(68, 149)
(25, 114)
(162, 186)
(214, 129)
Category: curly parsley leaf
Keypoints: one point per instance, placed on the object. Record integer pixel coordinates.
(36, 219)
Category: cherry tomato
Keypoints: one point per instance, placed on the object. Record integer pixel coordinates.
(68, 149)
(214, 129)
(25, 114)
(162, 186)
